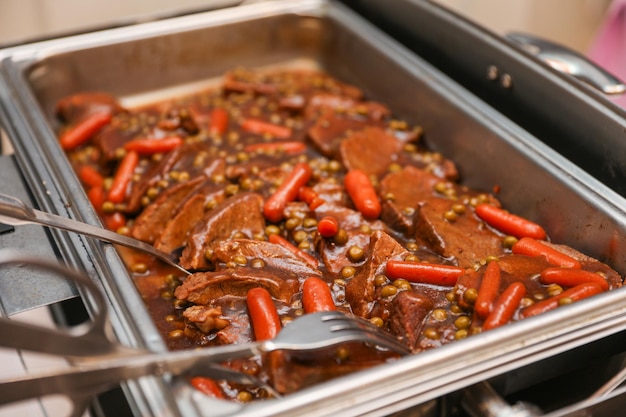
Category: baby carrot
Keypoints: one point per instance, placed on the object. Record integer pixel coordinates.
(576, 293)
(218, 120)
(571, 277)
(435, 274)
(328, 226)
(261, 127)
(122, 177)
(90, 176)
(316, 296)
(309, 196)
(488, 290)
(151, 146)
(290, 148)
(531, 247)
(114, 221)
(97, 197)
(362, 193)
(207, 386)
(505, 306)
(84, 130)
(508, 223)
(263, 314)
(288, 191)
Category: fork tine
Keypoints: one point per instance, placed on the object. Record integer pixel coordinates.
(342, 322)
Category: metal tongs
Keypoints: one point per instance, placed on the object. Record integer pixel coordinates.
(99, 363)
(14, 212)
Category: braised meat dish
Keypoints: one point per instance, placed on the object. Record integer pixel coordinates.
(287, 192)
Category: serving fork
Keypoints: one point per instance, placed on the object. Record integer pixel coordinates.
(99, 363)
(15, 212)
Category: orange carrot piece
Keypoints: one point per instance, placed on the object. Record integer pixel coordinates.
(84, 130)
(488, 290)
(571, 277)
(90, 176)
(362, 193)
(147, 146)
(218, 120)
(425, 273)
(290, 148)
(316, 296)
(508, 223)
(117, 192)
(288, 191)
(505, 306)
(261, 127)
(207, 386)
(531, 247)
(263, 314)
(328, 226)
(576, 293)
(114, 221)
(97, 197)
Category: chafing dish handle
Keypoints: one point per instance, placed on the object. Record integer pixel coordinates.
(568, 62)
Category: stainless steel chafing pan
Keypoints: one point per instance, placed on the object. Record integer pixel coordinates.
(490, 150)
(577, 120)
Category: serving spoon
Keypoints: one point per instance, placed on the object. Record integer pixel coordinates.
(15, 212)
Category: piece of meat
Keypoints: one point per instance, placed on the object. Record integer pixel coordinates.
(467, 239)
(288, 374)
(178, 119)
(177, 229)
(204, 287)
(330, 129)
(360, 290)
(274, 257)
(407, 313)
(76, 107)
(153, 219)
(358, 231)
(191, 158)
(238, 214)
(238, 332)
(371, 150)
(401, 193)
(206, 318)
(322, 102)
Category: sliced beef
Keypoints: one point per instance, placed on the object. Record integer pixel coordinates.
(153, 219)
(239, 331)
(274, 257)
(288, 374)
(111, 138)
(402, 192)
(361, 291)
(319, 103)
(178, 119)
(332, 193)
(358, 231)
(74, 108)
(330, 128)
(371, 150)
(179, 227)
(192, 158)
(206, 318)
(407, 313)
(240, 213)
(204, 287)
(466, 240)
